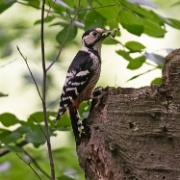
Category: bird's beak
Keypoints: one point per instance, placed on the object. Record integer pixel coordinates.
(99, 30)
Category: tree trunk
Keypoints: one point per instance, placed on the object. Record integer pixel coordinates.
(135, 133)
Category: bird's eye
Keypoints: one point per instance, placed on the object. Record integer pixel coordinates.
(94, 33)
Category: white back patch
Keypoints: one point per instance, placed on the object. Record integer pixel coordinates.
(83, 73)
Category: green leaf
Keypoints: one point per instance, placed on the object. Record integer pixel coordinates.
(8, 119)
(94, 19)
(173, 23)
(46, 20)
(84, 109)
(14, 148)
(134, 46)
(4, 133)
(23, 129)
(156, 81)
(5, 4)
(62, 34)
(136, 63)
(3, 95)
(153, 29)
(149, 27)
(63, 124)
(112, 23)
(34, 3)
(11, 137)
(35, 135)
(176, 3)
(143, 12)
(131, 22)
(36, 117)
(134, 29)
(124, 54)
(109, 11)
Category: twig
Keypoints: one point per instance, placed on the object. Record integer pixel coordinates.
(4, 151)
(67, 34)
(44, 95)
(88, 9)
(37, 165)
(11, 61)
(25, 59)
(134, 77)
(50, 8)
(29, 164)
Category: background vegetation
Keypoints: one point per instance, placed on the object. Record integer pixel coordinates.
(147, 34)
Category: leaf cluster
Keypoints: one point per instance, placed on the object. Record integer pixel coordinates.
(32, 130)
(16, 133)
(137, 17)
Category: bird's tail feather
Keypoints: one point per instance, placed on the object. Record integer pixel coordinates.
(76, 122)
(61, 111)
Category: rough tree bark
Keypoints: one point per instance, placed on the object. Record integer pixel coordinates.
(135, 133)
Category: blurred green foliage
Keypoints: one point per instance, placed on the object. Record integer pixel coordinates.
(137, 17)
(66, 164)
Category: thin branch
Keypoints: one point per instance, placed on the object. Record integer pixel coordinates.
(100, 7)
(44, 95)
(4, 151)
(4, 65)
(29, 164)
(25, 59)
(50, 8)
(134, 77)
(37, 165)
(67, 34)
(151, 64)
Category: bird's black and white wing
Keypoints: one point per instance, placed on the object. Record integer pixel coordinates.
(77, 78)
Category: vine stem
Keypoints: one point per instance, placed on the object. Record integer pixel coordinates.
(44, 94)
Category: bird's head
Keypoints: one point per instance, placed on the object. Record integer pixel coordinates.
(93, 38)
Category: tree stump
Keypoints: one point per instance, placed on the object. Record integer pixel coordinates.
(135, 133)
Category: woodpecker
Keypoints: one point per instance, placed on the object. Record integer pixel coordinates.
(82, 76)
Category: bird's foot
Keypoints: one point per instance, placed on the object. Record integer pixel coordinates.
(96, 96)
